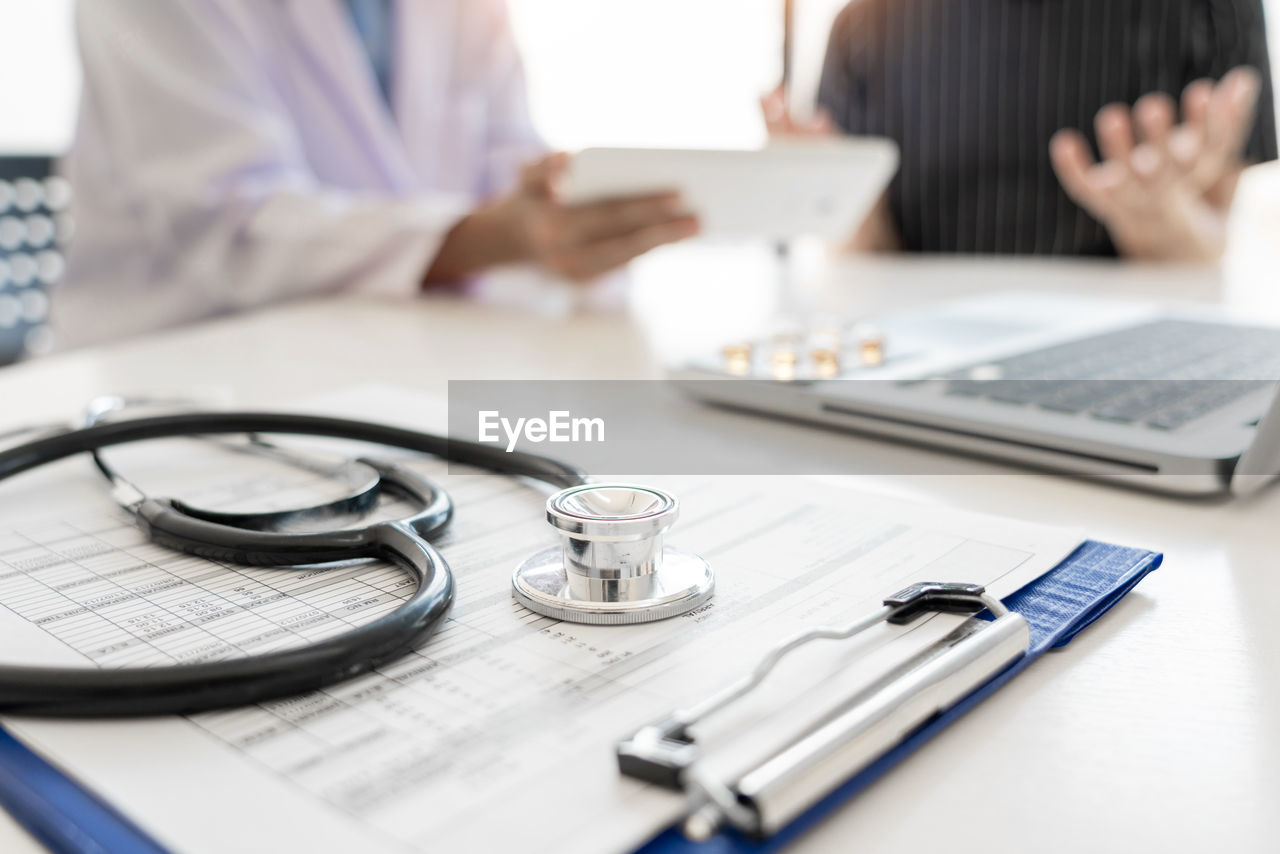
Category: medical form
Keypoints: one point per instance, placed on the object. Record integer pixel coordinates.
(498, 734)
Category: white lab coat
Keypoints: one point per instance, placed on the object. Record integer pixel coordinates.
(235, 152)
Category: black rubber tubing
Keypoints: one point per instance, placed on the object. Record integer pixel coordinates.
(187, 689)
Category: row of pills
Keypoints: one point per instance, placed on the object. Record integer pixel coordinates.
(27, 195)
(823, 354)
(38, 340)
(22, 270)
(35, 231)
(34, 223)
(30, 307)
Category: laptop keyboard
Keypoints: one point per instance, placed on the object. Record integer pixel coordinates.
(1162, 374)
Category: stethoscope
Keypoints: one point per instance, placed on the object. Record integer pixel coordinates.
(610, 567)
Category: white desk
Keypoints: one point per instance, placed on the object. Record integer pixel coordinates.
(1158, 729)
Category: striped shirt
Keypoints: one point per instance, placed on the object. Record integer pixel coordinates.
(972, 91)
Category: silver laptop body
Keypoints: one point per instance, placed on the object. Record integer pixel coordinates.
(1174, 399)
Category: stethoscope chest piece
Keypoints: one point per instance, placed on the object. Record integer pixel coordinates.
(611, 566)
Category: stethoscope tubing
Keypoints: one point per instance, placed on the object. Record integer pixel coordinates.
(50, 449)
(193, 688)
(186, 689)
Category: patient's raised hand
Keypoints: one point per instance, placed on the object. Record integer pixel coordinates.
(1163, 189)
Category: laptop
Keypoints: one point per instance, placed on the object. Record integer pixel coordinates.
(1174, 399)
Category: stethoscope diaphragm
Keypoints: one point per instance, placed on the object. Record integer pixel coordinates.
(611, 566)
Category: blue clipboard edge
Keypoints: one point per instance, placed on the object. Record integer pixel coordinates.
(66, 817)
(69, 819)
(1057, 606)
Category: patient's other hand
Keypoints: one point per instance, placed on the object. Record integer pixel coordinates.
(778, 120)
(877, 233)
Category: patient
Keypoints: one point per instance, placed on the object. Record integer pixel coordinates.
(997, 106)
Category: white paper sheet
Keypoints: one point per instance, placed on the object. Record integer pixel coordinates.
(498, 735)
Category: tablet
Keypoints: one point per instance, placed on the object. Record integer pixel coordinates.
(823, 187)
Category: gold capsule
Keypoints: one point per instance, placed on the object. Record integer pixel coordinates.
(737, 359)
(784, 364)
(871, 348)
(826, 363)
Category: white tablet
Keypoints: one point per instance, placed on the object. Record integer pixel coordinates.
(820, 187)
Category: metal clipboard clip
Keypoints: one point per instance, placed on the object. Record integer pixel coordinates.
(769, 796)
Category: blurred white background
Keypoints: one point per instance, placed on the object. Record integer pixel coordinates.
(616, 72)
(39, 76)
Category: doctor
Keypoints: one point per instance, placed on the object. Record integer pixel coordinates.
(235, 152)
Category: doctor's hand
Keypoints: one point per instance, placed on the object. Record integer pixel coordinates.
(579, 242)
(1164, 190)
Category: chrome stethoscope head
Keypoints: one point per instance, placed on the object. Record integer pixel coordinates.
(611, 566)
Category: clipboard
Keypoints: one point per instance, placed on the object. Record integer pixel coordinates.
(1056, 607)
(67, 817)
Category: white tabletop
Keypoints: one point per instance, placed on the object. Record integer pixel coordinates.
(1157, 729)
